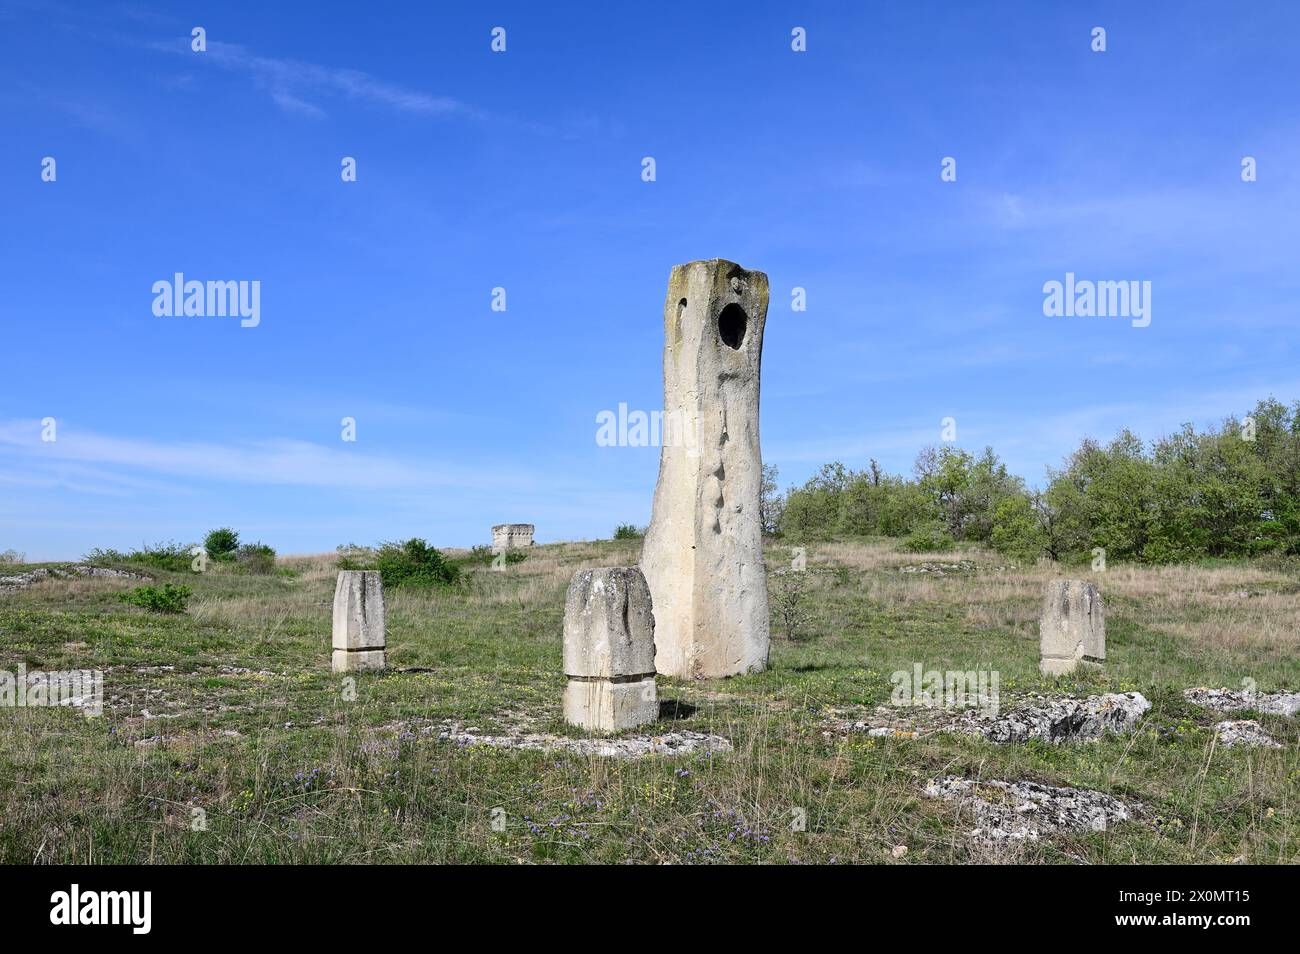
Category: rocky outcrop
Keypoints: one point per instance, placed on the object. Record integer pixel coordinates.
(1068, 719)
(1049, 719)
(1026, 811)
(18, 581)
(682, 742)
(1233, 700)
(1244, 733)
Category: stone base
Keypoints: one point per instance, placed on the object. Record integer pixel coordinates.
(357, 660)
(1065, 665)
(599, 705)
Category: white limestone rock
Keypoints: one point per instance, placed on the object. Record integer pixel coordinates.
(1026, 811)
(1244, 733)
(1235, 700)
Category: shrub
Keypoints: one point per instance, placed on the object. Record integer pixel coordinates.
(353, 556)
(486, 556)
(13, 556)
(628, 531)
(161, 556)
(1017, 531)
(790, 601)
(255, 558)
(928, 538)
(222, 544)
(170, 598)
(414, 563)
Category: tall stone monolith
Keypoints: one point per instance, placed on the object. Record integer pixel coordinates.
(609, 650)
(359, 637)
(703, 552)
(1072, 627)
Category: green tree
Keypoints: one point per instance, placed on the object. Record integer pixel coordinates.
(221, 543)
(769, 500)
(1017, 529)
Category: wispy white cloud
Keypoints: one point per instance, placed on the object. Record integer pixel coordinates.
(266, 462)
(293, 84)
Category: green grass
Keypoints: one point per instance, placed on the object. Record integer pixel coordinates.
(246, 722)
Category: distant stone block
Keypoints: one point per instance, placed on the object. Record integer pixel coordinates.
(1072, 628)
(609, 650)
(359, 634)
(511, 536)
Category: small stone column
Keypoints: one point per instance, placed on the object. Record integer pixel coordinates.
(609, 650)
(1072, 628)
(358, 621)
(703, 551)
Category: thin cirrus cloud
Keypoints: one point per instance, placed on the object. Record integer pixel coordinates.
(285, 462)
(293, 85)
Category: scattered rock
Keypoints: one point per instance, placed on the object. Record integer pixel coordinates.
(244, 671)
(1245, 733)
(11, 584)
(1233, 700)
(1025, 811)
(961, 566)
(1051, 719)
(81, 569)
(679, 742)
(1069, 719)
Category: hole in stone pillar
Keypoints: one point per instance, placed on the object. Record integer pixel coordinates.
(677, 325)
(731, 325)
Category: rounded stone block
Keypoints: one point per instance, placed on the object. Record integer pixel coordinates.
(609, 624)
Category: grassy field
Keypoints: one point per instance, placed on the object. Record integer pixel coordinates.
(231, 708)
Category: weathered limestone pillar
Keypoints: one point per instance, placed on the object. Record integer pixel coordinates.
(609, 650)
(358, 621)
(703, 552)
(1072, 628)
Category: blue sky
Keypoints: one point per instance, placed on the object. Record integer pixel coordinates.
(522, 170)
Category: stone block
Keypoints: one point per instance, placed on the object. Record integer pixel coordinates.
(609, 650)
(359, 638)
(1072, 627)
(511, 536)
